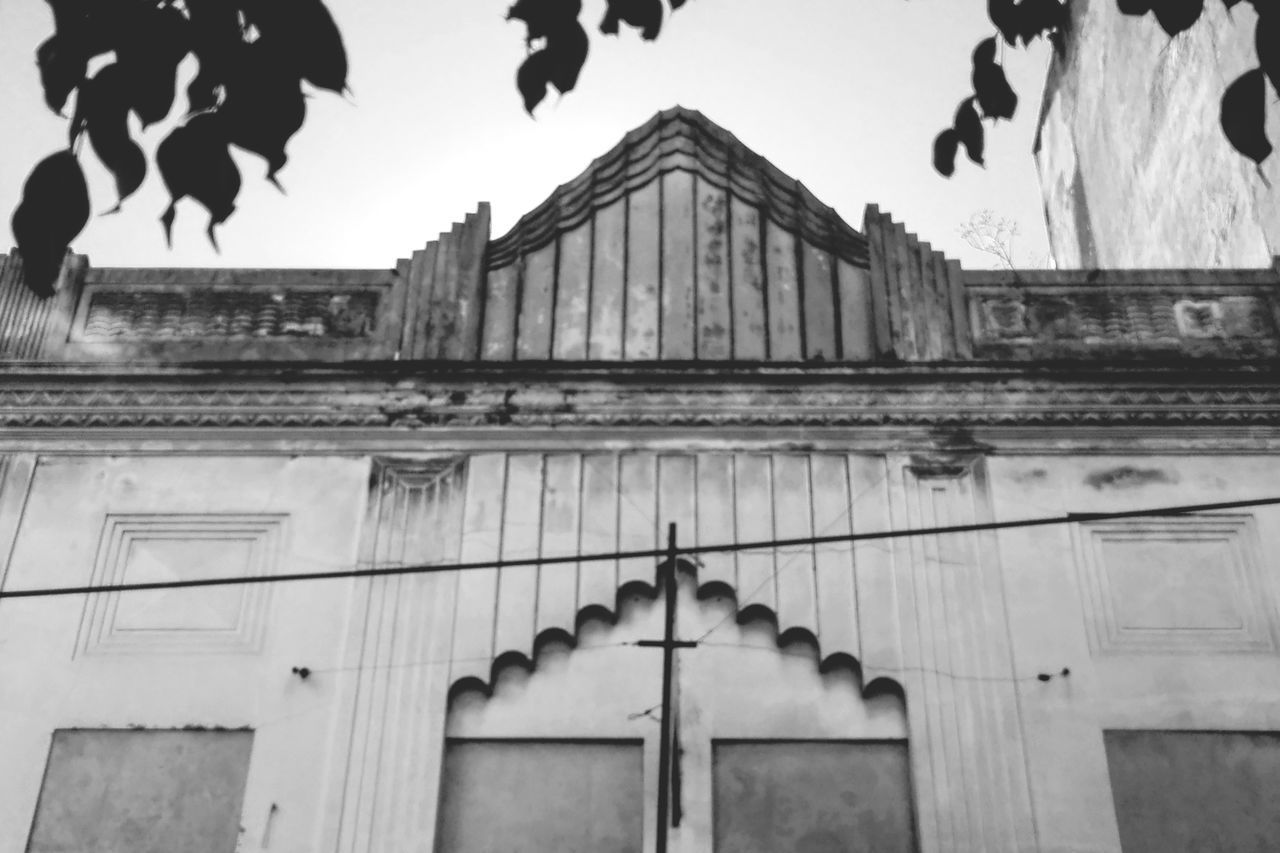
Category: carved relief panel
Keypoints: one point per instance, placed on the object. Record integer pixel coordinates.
(1174, 585)
(147, 548)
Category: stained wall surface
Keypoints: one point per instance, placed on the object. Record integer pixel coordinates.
(1159, 623)
(1165, 623)
(219, 658)
(149, 791)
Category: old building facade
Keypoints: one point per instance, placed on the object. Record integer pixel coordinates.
(685, 336)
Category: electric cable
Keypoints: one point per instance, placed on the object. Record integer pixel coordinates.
(653, 553)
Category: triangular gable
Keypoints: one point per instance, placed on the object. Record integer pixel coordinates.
(679, 244)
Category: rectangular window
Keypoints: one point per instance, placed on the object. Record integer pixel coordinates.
(142, 791)
(527, 796)
(1201, 791)
(812, 796)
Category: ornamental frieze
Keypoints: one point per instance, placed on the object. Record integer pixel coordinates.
(1010, 403)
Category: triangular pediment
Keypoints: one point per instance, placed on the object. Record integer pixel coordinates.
(680, 244)
(686, 140)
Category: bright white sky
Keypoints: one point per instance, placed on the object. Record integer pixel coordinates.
(846, 95)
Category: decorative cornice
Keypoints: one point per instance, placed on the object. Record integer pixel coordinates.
(966, 400)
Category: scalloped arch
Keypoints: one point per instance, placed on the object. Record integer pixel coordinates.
(484, 680)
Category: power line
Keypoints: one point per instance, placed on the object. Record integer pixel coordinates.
(655, 553)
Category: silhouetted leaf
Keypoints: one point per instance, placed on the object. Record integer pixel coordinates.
(568, 54)
(307, 37)
(558, 64)
(1176, 16)
(322, 55)
(264, 105)
(676, 4)
(1004, 14)
(995, 96)
(1137, 8)
(103, 108)
(53, 210)
(944, 152)
(216, 39)
(89, 26)
(968, 127)
(532, 78)
(1244, 115)
(644, 15)
(62, 64)
(194, 160)
(985, 52)
(69, 16)
(156, 40)
(1039, 17)
(544, 17)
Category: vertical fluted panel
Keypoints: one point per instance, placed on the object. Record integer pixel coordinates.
(24, 317)
(397, 712)
(714, 297)
(750, 316)
(969, 765)
(573, 295)
(446, 294)
(482, 524)
(916, 293)
(678, 268)
(644, 247)
(561, 504)
(608, 282)
(678, 315)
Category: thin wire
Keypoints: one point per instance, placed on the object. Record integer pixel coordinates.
(844, 515)
(1041, 676)
(446, 661)
(655, 553)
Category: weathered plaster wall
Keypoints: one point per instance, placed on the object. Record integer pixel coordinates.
(216, 658)
(1166, 623)
(1135, 171)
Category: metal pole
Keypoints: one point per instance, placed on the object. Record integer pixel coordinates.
(668, 571)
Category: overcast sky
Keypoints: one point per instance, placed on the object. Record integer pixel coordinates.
(846, 95)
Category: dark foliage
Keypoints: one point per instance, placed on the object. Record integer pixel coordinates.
(252, 55)
(1244, 115)
(102, 108)
(53, 210)
(1243, 103)
(944, 151)
(195, 160)
(563, 53)
(995, 96)
(644, 15)
(968, 128)
(562, 50)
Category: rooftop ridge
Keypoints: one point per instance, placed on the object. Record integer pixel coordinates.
(681, 138)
